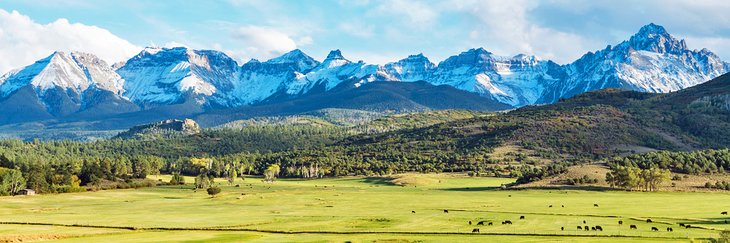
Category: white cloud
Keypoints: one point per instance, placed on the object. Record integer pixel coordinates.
(504, 27)
(24, 41)
(417, 12)
(262, 42)
(357, 29)
(305, 40)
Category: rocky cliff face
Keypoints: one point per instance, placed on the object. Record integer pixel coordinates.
(165, 128)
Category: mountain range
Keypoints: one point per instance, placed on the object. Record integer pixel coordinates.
(165, 83)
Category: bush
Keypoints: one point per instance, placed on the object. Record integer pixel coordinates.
(212, 191)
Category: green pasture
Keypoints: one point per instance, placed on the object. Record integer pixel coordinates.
(361, 209)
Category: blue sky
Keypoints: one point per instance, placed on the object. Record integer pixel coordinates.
(371, 30)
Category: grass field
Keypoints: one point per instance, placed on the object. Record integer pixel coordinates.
(360, 210)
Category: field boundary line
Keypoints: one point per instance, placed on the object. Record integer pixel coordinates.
(131, 228)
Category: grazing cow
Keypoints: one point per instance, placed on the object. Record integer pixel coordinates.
(584, 221)
(475, 231)
(649, 220)
(724, 213)
(509, 195)
(550, 206)
(595, 205)
(562, 206)
(446, 211)
(620, 222)
(470, 222)
(681, 224)
(599, 228)
(522, 217)
(580, 228)
(490, 223)
(507, 222)
(586, 228)
(669, 229)
(562, 228)
(413, 211)
(632, 227)
(688, 226)
(654, 229)
(480, 223)
(593, 228)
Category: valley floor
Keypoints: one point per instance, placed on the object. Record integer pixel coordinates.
(360, 209)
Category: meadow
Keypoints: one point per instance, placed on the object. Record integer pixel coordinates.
(405, 208)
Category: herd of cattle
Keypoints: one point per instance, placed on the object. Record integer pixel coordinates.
(579, 227)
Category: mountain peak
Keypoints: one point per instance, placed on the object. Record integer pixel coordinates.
(335, 54)
(652, 29)
(291, 57)
(296, 57)
(655, 38)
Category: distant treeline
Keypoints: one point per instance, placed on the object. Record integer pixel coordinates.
(695, 162)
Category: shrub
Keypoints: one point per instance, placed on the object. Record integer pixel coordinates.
(212, 191)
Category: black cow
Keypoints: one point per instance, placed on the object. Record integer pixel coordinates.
(562, 228)
(413, 211)
(681, 224)
(599, 228)
(490, 223)
(475, 231)
(470, 222)
(562, 206)
(688, 226)
(584, 221)
(632, 227)
(649, 220)
(724, 213)
(593, 228)
(669, 229)
(522, 217)
(507, 222)
(580, 228)
(446, 211)
(480, 223)
(550, 206)
(595, 205)
(654, 229)
(586, 228)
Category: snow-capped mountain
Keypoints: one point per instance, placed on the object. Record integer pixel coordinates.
(159, 76)
(193, 81)
(334, 70)
(517, 81)
(650, 61)
(62, 84)
(260, 80)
